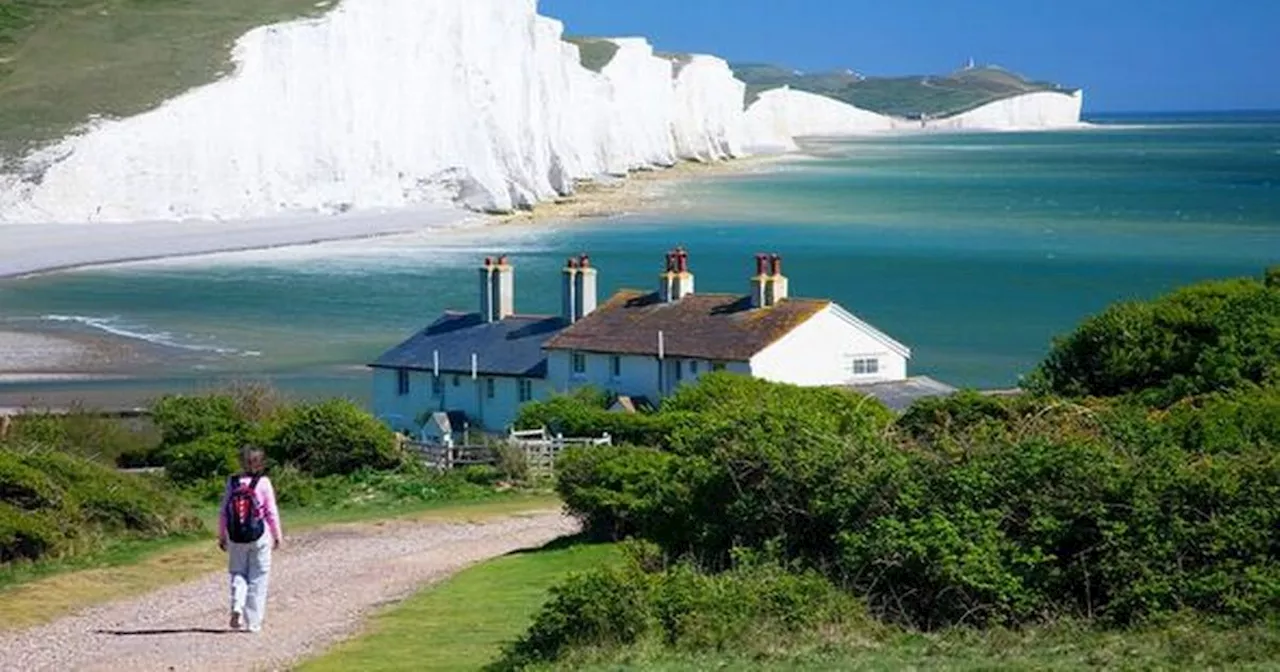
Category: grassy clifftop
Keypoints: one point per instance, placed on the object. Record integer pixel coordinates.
(910, 96)
(63, 62)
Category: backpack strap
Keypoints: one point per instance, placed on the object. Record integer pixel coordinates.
(253, 482)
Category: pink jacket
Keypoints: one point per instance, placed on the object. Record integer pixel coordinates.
(266, 496)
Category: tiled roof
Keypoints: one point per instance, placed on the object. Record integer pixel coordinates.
(702, 326)
(511, 347)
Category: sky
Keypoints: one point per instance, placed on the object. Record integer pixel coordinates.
(1128, 55)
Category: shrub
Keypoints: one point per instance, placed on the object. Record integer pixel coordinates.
(682, 608)
(213, 457)
(83, 433)
(512, 463)
(184, 419)
(53, 504)
(1210, 337)
(617, 491)
(334, 437)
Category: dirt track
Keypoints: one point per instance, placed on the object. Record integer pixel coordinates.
(322, 586)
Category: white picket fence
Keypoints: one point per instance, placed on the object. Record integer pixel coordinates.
(540, 449)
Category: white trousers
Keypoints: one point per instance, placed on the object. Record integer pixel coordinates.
(250, 568)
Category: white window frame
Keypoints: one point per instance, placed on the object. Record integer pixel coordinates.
(863, 366)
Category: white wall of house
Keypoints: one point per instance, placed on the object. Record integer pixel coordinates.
(631, 375)
(457, 392)
(831, 348)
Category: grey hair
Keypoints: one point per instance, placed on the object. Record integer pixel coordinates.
(250, 455)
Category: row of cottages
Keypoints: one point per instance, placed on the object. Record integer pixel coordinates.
(639, 345)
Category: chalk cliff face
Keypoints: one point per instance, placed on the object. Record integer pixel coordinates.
(1030, 111)
(779, 116)
(384, 104)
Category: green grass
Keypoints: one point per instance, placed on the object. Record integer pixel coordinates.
(1182, 646)
(65, 61)
(594, 53)
(463, 623)
(36, 593)
(911, 96)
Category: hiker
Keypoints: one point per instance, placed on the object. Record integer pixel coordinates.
(248, 530)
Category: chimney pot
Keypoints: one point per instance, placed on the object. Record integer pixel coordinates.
(571, 263)
(760, 264)
(776, 265)
(584, 261)
(488, 261)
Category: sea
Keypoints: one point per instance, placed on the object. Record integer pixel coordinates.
(974, 249)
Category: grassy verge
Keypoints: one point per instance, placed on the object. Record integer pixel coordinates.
(462, 624)
(1187, 646)
(40, 592)
(64, 61)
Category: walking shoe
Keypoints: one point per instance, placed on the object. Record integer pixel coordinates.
(235, 620)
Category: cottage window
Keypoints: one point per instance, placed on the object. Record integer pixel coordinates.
(865, 366)
(579, 362)
(679, 370)
(456, 381)
(402, 382)
(437, 386)
(525, 389)
(615, 366)
(693, 368)
(717, 366)
(488, 388)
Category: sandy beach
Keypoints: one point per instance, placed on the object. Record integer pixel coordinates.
(40, 248)
(29, 357)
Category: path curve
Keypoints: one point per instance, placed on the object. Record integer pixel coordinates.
(323, 584)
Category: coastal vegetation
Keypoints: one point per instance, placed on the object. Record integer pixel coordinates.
(912, 96)
(65, 504)
(774, 526)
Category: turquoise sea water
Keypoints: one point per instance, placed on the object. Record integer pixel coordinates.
(973, 249)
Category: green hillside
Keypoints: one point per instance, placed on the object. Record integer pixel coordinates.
(62, 62)
(911, 96)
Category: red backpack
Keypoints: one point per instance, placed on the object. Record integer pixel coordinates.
(244, 520)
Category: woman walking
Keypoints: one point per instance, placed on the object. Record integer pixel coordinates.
(248, 530)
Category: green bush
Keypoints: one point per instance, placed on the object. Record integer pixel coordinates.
(1210, 337)
(618, 491)
(334, 437)
(54, 504)
(185, 419)
(681, 608)
(213, 457)
(83, 433)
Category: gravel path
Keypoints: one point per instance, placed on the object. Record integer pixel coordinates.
(323, 584)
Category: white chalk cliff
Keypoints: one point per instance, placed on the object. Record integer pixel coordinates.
(385, 104)
(1028, 112)
(779, 116)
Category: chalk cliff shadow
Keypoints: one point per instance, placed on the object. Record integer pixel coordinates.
(167, 631)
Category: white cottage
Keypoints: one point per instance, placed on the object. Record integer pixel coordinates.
(638, 344)
(648, 343)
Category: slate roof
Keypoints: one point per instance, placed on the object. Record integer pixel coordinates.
(701, 326)
(511, 347)
(899, 394)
